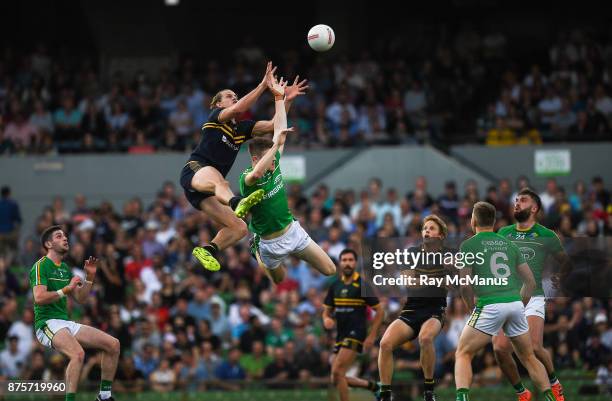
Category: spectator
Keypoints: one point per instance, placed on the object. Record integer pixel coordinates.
(67, 120)
(22, 329)
(41, 118)
(10, 221)
(163, 379)
(21, 132)
(12, 360)
(146, 362)
(230, 368)
(548, 197)
(449, 201)
(279, 370)
(255, 362)
(129, 379)
(181, 119)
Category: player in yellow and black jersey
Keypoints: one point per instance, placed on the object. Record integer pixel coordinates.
(203, 176)
(423, 313)
(345, 304)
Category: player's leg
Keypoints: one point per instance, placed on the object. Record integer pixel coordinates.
(316, 257)
(537, 372)
(517, 330)
(343, 360)
(209, 180)
(502, 348)
(90, 337)
(276, 275)
(232, 230)
(535, 312)
(429, 330)
(396, 334)
(470, 342)
(64, 342)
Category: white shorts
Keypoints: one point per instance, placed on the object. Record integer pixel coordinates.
(45, 334)
(491, 318)
(273, 251)
(536, 306)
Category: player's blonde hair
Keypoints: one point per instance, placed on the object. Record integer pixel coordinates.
(439, 222)
(217, 98)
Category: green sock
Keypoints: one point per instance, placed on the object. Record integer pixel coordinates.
(553, 378)
(549, 396)
(519, 387)
(463, 394)
(70, 396)
(384, 387)
(105, 385)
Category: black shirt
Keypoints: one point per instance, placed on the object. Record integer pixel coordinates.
(350, 306)
(221, 142)
(428, 296)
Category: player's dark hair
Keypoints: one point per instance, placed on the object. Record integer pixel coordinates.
(5, 192)
(533, 195)
(217, 98)
(439, 222)
(347, 251)
(47, 234)
(484, 213)
(258, 146)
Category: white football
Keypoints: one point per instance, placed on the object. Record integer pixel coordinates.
(321, 38)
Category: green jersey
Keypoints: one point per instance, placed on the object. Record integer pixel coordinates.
(536, 245)
(496, 258)
(55, 277)
(272, 213)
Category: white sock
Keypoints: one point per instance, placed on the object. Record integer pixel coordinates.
(104, 395)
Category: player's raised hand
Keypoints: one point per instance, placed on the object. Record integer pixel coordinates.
(269, 75)
(91, 266)
(296, 89)
(74, 283)
(278, 87)
(283, 135)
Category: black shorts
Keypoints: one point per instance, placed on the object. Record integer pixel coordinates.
(352, 339)
(415, 318)
(194, 197)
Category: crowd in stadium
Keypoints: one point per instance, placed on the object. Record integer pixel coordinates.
(182, 327)
(64, 103)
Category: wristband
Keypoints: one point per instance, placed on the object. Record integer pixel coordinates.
(61, 293)
(89, 282)
(278, 97)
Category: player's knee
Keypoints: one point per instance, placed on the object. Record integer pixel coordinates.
(115, 346)
(386, 346)
(337, 374)
(239, 227)
(78, 355)
(462, 353)
(502, 348)
(329, 268)
(425, 340)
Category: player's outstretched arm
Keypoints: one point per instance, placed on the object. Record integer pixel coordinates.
(298, 88)
(529, 284)
(249, 99)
